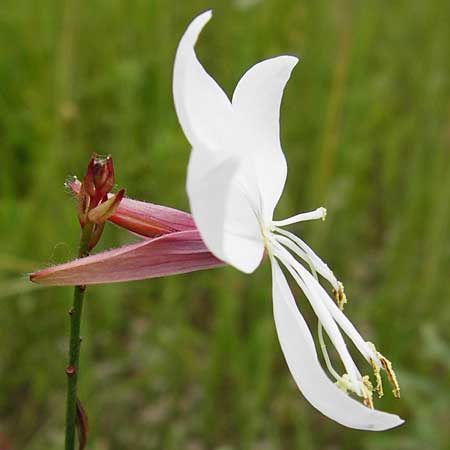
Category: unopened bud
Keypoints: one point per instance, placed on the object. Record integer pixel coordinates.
(93, 191)
(103, 175)
(88, 180)
(99, 178)
(95, 202)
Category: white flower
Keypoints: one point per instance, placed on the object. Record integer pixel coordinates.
(236, 174)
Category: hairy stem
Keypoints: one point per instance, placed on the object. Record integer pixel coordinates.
(74, 346)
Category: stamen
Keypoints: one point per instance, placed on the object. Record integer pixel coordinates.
(323, 346)
(387, 366)
(339, 295)
(348, 328)
(298, 272)
(379, 382)
(367, 389)
(273, 239)
(319, 213)
(308, 282)
(305, 252)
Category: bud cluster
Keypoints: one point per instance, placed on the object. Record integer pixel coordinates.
(95, 202)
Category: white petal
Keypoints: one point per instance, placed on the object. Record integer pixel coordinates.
(223, 212)
(203, 109)
(298, 348)
(225, 202)
(243, 139)
(256, 104)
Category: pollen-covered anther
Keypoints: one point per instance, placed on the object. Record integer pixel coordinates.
(339, 295)
(378, 381)
(363, 388)
(367, 391)
(324, 213)
(387, 366)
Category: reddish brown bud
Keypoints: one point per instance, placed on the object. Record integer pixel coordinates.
(88, 180)
(104, 175)
(96, 204)
(70, 371)
(99, 178)
(92, 193)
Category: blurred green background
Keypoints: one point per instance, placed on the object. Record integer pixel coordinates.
(192, 362)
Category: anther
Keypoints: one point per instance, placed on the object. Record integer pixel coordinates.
(387, 366)
(367, 389)
(379, 383)
(339, 295)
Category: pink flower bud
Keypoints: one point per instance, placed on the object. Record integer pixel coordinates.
(99, 178)
(94, 204)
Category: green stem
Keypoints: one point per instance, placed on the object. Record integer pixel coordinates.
(74, 346)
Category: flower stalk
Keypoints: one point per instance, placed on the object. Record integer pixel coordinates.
(75, 343)
(95, 206)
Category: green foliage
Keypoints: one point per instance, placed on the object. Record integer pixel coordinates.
(192, 362)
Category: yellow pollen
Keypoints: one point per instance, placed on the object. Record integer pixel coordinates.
(367, 391)
(379, 382)
(387, 366)
(339, 295)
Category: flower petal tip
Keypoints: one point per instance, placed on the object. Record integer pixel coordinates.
(39, 276)
(200, 21)
(208, 13)
(292, 59)
(391, 422)
(291, 62)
